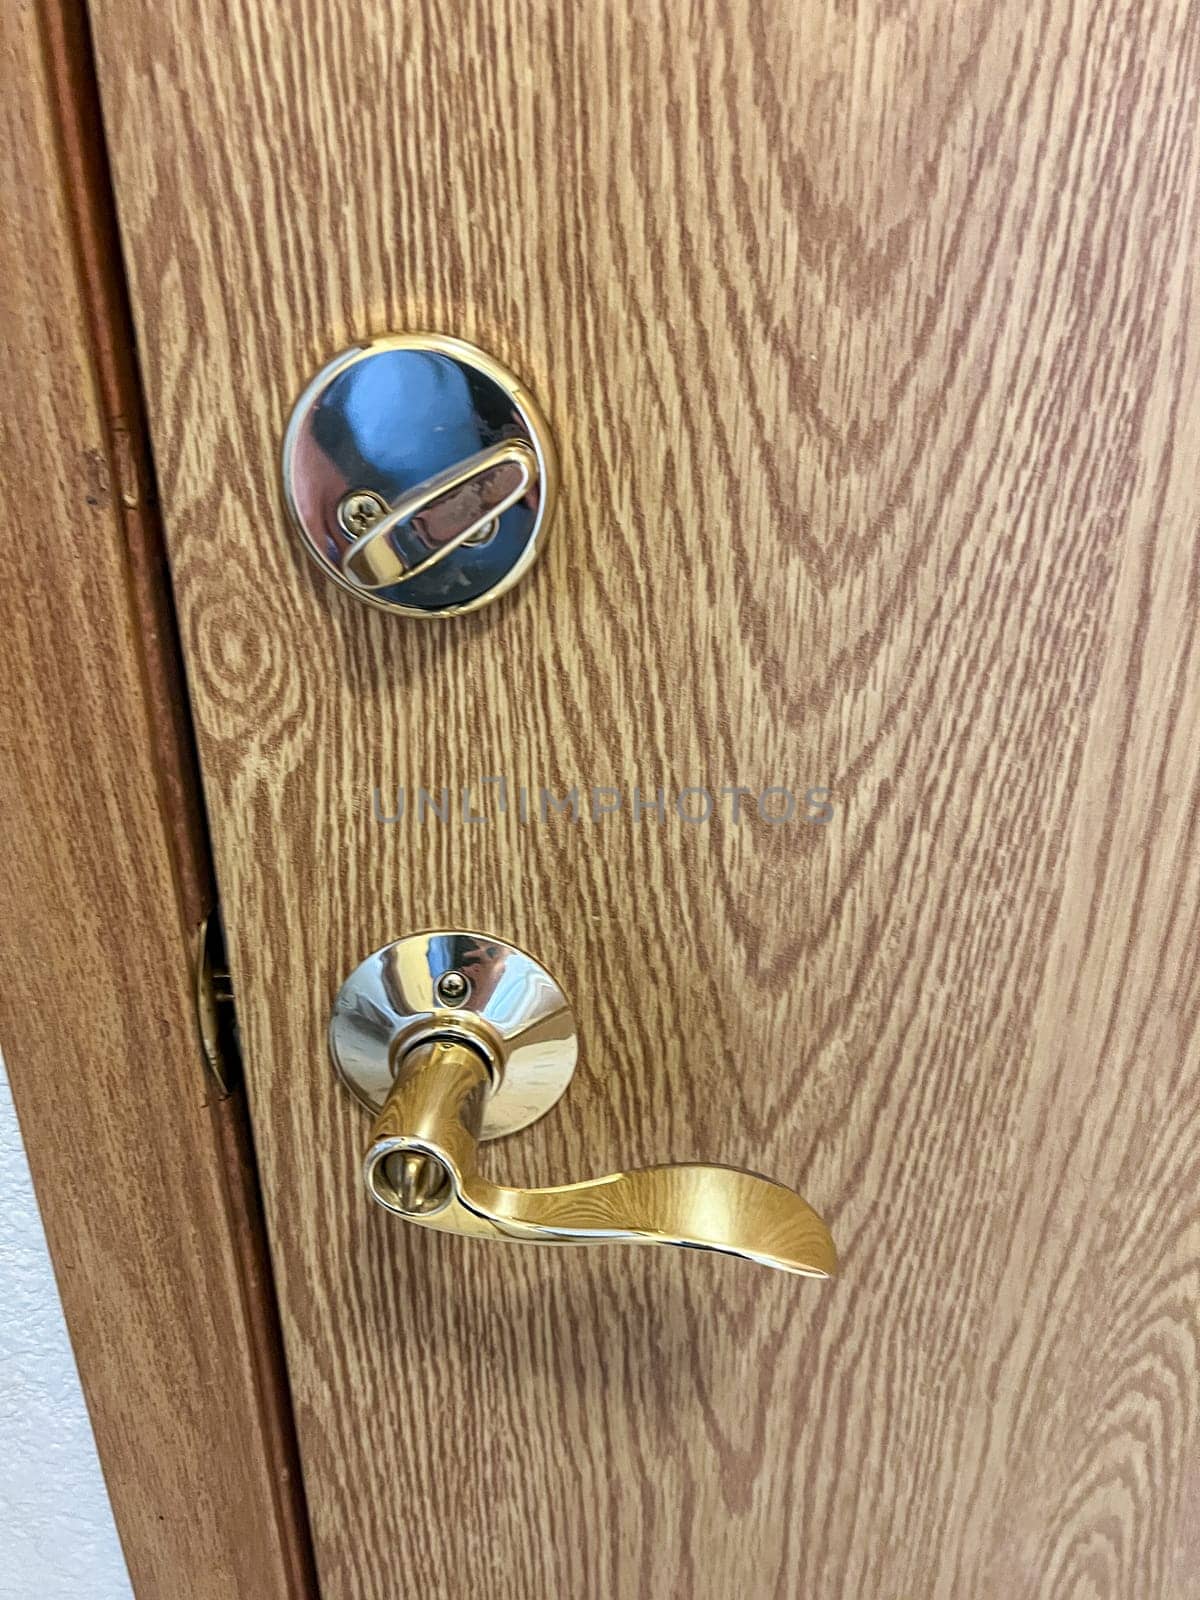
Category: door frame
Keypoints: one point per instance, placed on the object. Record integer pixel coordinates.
(142, 1163)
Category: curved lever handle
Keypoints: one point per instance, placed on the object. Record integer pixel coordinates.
(421, 1165)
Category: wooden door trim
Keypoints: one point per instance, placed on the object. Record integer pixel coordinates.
(145, 1175)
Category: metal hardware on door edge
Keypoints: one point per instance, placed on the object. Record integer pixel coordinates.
(451, 1038)
(215, 1019)
(420, 474)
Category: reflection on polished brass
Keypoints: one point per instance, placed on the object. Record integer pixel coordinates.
(420, 474)
(422, 1164)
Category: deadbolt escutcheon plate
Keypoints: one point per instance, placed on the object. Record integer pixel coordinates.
(420, 475)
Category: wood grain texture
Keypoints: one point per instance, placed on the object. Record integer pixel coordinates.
(147, 1190)
(868, 336)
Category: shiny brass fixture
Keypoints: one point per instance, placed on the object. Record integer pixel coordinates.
(420, 474)
(216, 1021)
(453, 1038)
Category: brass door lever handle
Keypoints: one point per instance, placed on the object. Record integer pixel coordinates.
(453, 1038)
(421, 1165)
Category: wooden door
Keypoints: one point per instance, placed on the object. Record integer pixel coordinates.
(868, 336)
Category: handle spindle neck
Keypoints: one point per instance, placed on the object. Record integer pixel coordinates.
(424, 1139)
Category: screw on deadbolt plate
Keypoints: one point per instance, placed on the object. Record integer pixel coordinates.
(488, 531)
(452, 988)
(359, 511)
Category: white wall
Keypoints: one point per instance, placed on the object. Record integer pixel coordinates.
(57, 1537)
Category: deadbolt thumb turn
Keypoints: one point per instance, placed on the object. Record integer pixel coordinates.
(452, 1038)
